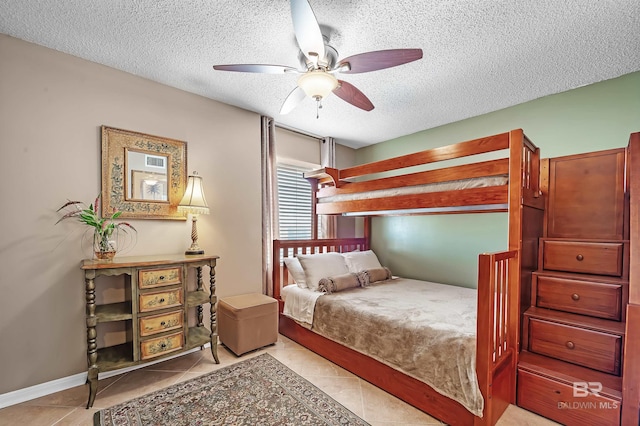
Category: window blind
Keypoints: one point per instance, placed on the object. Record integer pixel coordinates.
(294, 203)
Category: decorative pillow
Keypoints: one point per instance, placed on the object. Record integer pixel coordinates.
(295, 269)
(339, 283)
(321, 265)
(377, 274)
(361, 260)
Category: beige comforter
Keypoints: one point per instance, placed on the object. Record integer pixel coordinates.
(424, 329)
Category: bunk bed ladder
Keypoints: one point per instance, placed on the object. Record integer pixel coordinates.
(631, 359)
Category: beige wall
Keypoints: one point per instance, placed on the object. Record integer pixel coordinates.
(51, 109)
(345, 156)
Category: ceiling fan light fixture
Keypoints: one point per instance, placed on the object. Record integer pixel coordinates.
(317, 84)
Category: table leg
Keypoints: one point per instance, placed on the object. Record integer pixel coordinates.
(214, 321)
(92, 346)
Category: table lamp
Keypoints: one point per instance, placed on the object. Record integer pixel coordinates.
(194, 203)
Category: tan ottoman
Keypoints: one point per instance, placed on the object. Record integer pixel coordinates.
(247, 322)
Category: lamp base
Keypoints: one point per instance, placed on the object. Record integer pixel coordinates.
(194, 248)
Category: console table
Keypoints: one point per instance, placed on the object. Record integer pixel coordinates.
(155, 310)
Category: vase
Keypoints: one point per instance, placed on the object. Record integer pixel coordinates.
(104, 247)
(105, 255)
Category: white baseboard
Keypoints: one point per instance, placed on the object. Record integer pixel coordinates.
(43, 389)
(32, 392)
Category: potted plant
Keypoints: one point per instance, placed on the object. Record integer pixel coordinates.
(105, 229)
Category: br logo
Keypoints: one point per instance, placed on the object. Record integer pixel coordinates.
(583, 389)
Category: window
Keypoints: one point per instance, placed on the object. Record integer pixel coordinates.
(294, 203)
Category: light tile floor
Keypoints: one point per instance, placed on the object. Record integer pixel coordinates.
(370, 403)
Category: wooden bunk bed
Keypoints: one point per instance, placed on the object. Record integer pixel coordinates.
(631, 360)
(503, 278)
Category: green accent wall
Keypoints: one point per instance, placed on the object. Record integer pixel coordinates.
(445, 248)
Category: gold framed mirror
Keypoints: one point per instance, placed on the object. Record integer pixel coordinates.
(143, 176)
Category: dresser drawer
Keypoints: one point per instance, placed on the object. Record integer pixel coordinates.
(580, 297)
(160, 300)
(589, 348)
(557, 401)
(583, 257)
(151, 278)
(155, 324)
(161, 345)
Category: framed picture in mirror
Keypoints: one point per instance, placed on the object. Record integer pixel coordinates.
(143, 176)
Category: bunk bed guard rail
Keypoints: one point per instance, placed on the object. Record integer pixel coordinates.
(497, 327)
(475, 187)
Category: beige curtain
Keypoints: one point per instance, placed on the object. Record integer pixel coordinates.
(328, 223)
(270, 229)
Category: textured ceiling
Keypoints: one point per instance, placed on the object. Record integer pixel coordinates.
(479, 55)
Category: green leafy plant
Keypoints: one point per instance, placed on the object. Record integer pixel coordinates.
(103, 227)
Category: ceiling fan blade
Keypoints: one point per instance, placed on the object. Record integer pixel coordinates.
(258, 68)
(307, 30)
(380, 59)
(348, 93)
(294, 98)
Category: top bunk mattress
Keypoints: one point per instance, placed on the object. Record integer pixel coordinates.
(454, 185)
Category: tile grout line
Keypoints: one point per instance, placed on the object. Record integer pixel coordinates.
(64, 417)
(364, 414)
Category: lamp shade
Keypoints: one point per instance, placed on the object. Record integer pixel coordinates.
(193, 200)
(317, 84)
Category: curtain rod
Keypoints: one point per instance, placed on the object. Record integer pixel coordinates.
(299, 132)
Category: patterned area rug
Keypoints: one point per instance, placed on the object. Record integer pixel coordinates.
(258, 391)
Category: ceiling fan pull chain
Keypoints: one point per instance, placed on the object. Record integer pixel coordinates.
(318, 106)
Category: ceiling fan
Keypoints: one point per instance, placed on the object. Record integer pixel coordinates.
(320, 64)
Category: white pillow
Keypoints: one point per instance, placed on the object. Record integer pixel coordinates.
(295, 269)
(321, 265)
(358, 261)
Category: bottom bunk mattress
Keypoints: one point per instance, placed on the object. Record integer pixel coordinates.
(426, 330)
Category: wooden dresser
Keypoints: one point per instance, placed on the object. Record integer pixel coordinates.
(573, 339)
(155, 310)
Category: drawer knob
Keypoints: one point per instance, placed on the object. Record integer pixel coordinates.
(161, 277)
(162, 300)
(570, 345)
(575, 296)
(163, 323)
(580, 258)
(163, 345)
